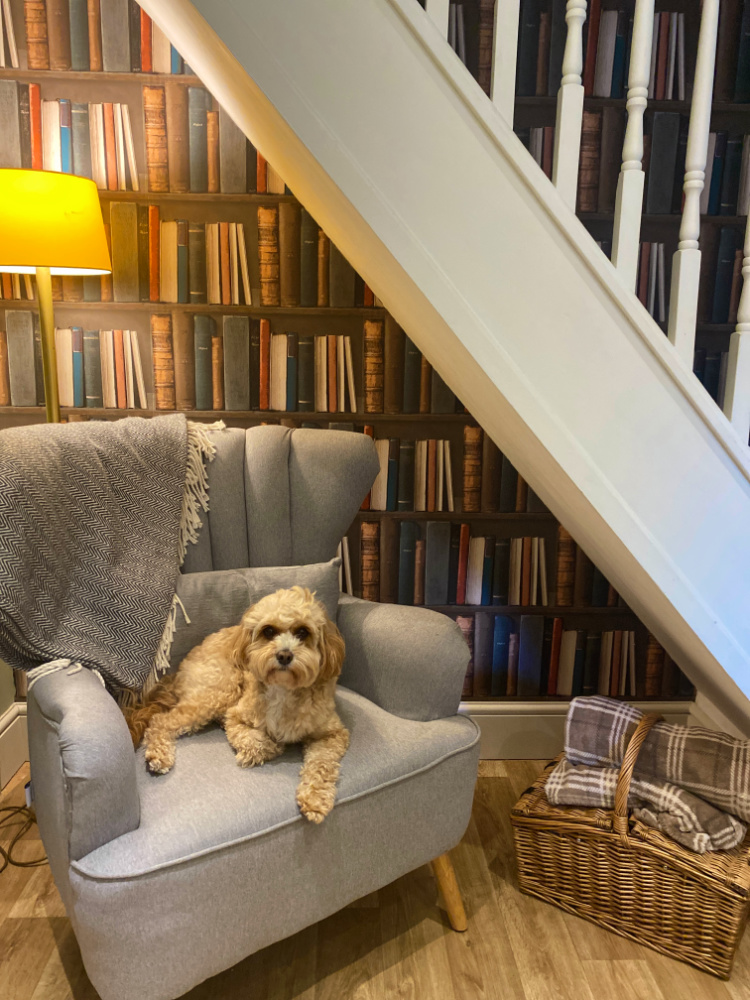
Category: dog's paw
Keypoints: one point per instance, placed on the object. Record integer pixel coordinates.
(251, 756)
(315, 803)
(160, 760)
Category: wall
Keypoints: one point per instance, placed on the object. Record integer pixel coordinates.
(7, 688)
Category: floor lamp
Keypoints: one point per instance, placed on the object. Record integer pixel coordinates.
(50, 223)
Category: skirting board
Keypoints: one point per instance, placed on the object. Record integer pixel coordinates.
(536, 730)
(520, 731)
(14, 741)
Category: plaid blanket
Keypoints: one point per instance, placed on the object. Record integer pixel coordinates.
(711, 765)
(95, 518)
(684, 817)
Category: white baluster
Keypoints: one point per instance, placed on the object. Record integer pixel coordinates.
(504, 54)
(629, 204)
(570, 106)
(737, 392)
(439, 12)
(686, 263)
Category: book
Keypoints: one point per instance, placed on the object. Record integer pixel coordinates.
(178, 153)
(373, 365)
(292, 342)
(155, 121)
(213, 166)
(483, 653)
(10, 127)
(528, 46)
(277, 385)
(232, 156)
(268, 255)
(198, 104)
(58, 35)
(161, 335)
(370, 560)
(183, 347)
(115, 34)
(472, 469)
(124, 223)
(408, 534)
(530, 637)
(341, 280)
(236, 333)
(289, 254)
(19, 326)
(203, 333)
(308, 260)
(665, 133)
(78, 21)
(35, 22)
(437, 554)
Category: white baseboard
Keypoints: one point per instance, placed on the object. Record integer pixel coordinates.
(536, 730)
(14, 741)
(510, 731)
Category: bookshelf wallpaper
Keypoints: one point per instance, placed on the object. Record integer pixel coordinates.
(228, 299)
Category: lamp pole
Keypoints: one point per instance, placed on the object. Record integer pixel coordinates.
(49, 355)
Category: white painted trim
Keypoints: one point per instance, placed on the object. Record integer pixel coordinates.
(390, 145)
(14, 741)
(535, 730)
(703, 713)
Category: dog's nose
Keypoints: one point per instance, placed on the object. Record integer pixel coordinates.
(284, 657)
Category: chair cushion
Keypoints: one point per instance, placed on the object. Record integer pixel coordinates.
(207, 803)
(217, 599)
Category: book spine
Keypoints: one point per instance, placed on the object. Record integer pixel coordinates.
(178, 154)
(4, 373)
(289, 254)
(588, 175)
(340, 280)
(35, 21)
(155, 118)
(203, 329)
(405, 495)
(21, 367)
(213, 157)
(119, 353)
(324, 254)
(306, 374)
(92, 368)
(81, 139)
(264, 392)
(217, 371)
(79, 35)
(308, 295)
(58, 35)
(115, 23)
(232, 155)
(94, 17)
(393, 367)
(161, 337)
(268, 255)
(110, 152)
(565, 574)
(472, 470)
(370, 560)
(373, 366)
(183, 345)
(292, 351)
(236, 331)
(197, 141)
(134, 36)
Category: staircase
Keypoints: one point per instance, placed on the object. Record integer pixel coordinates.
(418, 178)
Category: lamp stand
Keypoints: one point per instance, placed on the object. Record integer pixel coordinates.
(49, 354)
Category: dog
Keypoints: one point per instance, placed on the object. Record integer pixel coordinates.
(269, 681)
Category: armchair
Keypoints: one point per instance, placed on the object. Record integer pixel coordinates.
(169, 880)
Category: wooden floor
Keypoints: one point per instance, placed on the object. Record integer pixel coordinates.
(395, 943)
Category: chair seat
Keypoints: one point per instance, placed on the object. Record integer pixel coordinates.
(207, 803)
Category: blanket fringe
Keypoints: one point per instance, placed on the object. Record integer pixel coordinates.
(201, 450)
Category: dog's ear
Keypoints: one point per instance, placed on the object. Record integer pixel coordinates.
(240, 646)
(331, 651)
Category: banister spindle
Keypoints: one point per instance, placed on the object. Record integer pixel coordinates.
(504, 56)
(439, 11)
(629, 203)
(686, 263)
(737, 392)
(570, 106)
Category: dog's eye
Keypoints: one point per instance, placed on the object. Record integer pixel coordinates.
(269, 632)
(302, 634)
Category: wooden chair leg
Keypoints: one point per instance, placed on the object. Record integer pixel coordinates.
(442, 868)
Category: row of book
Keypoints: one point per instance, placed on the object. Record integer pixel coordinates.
(732, 81)
(491, 483)
(413, 476)
(439, 563)
(535, 656)
(115, 36)
(91, 140)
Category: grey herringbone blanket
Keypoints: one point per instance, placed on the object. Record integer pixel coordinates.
(94, 521)
(684, 817)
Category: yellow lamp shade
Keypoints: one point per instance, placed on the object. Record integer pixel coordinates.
(52, 220)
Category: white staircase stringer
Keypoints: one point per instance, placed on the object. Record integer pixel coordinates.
(380, 132)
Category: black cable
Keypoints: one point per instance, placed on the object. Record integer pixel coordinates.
(6, 854)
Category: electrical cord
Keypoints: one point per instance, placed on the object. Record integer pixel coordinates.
(6, 853)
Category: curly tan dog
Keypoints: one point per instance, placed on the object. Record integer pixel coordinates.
(268, 681)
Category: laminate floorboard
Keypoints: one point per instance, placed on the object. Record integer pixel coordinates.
(395, 943)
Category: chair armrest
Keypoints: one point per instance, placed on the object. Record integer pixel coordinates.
(82, 766)
(410, 661)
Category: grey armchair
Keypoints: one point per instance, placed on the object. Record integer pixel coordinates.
(170, 880)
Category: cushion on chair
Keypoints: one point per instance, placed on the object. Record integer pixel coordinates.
(208, 803)
(217, 599)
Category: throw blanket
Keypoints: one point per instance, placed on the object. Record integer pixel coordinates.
(681, 815)
(713, 766)
(95, 519)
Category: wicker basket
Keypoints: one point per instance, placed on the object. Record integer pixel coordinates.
(631, 879)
